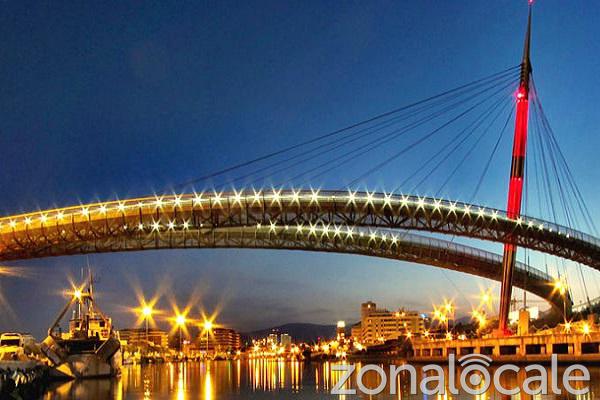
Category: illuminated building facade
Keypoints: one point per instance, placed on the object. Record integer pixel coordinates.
(137, 337)
(220, 340)
(378, 325)
(285, 340)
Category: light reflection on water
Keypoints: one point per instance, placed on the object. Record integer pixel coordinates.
(253, 379)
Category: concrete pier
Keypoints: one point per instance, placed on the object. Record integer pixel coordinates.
(569, 347)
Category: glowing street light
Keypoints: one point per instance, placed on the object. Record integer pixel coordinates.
(208, 327)
(180, 321)
(486, 299)
(561, 287)
(147, 312)
(586, 329)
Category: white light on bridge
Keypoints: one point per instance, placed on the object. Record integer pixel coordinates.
(238, 197)
(349, 231)
(276, 197)
(404, 201)
(369, 198)
(197, 199)
(351, 197)
(257, 196)
(452, 208)
(295, 197)
(325, 230)
(177, 201)
(336, 230)
(217, 198)
(387, 199)
(314, 197)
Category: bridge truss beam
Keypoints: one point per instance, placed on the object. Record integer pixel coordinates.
(46, 231)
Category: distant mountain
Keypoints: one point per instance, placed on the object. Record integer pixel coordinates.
(298, 331)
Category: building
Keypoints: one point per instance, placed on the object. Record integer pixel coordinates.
(378, 325)
(137, 337)
(220, 340)
(356, 331)
(285, 340)
(341, 330)
(273, 339)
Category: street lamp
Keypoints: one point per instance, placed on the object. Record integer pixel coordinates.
(208, 326)
(180, 321)
(561, 287)
(449, 309)
(486, 300)
(147, 313)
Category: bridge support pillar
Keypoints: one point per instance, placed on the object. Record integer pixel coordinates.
(515, 188)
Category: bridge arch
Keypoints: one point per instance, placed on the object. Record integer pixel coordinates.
(370, 224)
(326, 211)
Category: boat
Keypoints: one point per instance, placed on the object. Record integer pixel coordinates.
(90, 348)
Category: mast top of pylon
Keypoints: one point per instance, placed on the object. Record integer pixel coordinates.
(526, 63)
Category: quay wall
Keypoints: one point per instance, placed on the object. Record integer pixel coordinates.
(569, 348)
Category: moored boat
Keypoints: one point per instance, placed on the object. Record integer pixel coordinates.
(90, 348)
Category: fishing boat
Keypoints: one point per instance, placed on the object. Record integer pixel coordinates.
(90, 348)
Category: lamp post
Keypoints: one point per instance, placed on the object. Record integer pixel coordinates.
(147, 313)
(180, 321)
(561, 287)
(208, 325)
(449, 309)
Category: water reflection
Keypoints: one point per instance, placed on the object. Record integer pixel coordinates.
(263, 379)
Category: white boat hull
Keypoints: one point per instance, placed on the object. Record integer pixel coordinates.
(81, 366)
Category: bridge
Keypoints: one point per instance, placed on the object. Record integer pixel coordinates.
(366, 223)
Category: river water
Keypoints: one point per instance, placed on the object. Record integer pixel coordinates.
(265, 379)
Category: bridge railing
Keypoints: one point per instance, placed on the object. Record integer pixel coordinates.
(474, 252)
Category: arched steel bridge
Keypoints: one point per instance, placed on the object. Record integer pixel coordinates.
(346, 222)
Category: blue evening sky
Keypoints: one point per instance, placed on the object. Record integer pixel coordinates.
(100, 100)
